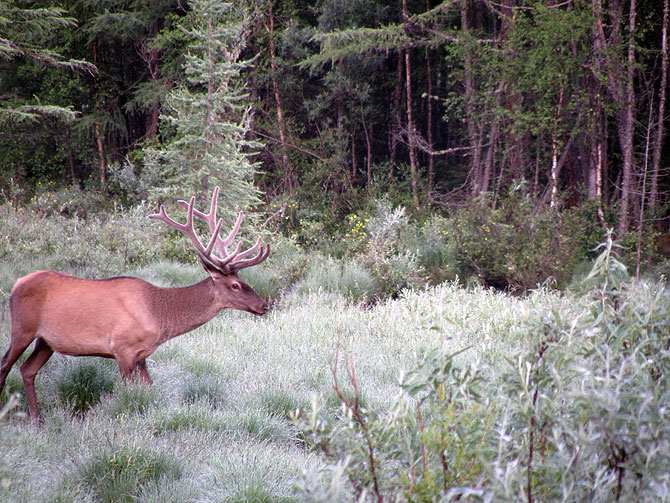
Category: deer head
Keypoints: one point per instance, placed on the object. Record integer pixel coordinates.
(217, 259)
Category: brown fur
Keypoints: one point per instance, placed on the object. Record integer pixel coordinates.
(122, 318)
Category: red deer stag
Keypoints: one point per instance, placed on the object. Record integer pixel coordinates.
(126, 318)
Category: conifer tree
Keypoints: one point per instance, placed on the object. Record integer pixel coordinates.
(25, 33)
(208, 113)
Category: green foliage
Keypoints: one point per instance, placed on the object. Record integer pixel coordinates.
(288, 264)
(28, 33)
(49, 199)
(208, 117)
(98, 245)
(121, 474)
(83, 383)
(577, 411)
(455, 419)
(518, 244)
(388, 246)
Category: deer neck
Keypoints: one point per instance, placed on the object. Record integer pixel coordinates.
(180, 310)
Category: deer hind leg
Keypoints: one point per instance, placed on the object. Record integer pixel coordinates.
(16, 348)
(29, 369)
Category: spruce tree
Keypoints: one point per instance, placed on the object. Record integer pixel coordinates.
(208, 114)
(26, 33)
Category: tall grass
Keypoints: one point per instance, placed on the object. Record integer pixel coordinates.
(459, 394)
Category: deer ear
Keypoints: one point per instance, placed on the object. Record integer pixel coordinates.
(212, 270)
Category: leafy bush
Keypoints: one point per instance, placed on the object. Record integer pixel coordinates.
(50, 199)
(390, 254)
(287, 264)
(386, 244)
(579, 411)
(517, 244)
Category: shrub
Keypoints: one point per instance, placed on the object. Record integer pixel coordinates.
(83, 383)
(120, 474)
(579, 410)
(387, 245)
(99, 245)
(70, 200)
(392, 254)
(517, 244)
(287, 264)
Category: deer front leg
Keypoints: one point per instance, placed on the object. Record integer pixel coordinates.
(144, 373)
(129, 367)
(35, 361)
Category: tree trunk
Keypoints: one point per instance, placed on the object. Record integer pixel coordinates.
(658, 140)
(554, 153)
(101, 153)
(609, 57)
(368, 159)
(627, 127)
(429, 126)
(396, 111)
(269, 27)
(474, 135)
(414, 172)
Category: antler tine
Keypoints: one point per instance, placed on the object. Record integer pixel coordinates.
(221, 243)
(251, 250)
(210, 217)
(236, 227)
(189, 231)
(231, 262)
(260, 257)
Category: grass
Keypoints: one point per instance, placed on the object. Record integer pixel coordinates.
(217, 423)
(219, 410)
(120, 474)
(83, 383)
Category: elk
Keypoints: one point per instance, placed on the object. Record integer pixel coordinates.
(127, 318)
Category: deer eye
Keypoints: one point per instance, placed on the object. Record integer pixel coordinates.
(236, 286)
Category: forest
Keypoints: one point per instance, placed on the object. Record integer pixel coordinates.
(331, 106)
(467, 208)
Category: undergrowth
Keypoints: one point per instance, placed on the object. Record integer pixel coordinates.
(580, 411)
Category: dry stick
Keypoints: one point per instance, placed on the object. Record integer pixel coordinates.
(279, 213)
(305, 151)
(355, 410)
(423, 443)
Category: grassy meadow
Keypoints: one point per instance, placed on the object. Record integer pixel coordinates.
(443, 393)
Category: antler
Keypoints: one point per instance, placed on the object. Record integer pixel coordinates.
(229, 262)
